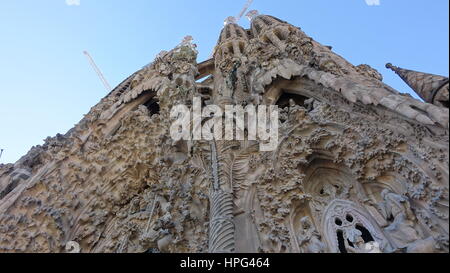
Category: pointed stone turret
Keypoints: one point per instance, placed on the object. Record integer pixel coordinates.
(232, 40)
(431, 88)
(269, 28)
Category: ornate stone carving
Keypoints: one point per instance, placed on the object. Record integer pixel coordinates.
(309, 238)
(359, 167)
(344, 224)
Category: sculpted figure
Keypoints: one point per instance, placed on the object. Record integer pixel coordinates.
(309, 238)
(311, 104)
(330, 190)
(398, 213)
(354, 243)
(353, 236)
(296, 112)
(396, 204)
(358, 246)
(372, 247)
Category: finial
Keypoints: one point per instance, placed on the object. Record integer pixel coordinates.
(428, 86)
(252, 15)
(187, 40)
(394, 68)
(230, 20)
(390, 66)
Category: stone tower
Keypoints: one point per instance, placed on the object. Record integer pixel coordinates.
(359, 167)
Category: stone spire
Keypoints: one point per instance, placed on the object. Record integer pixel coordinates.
(431, 88)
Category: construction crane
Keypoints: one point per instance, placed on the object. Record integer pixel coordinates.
(244, 9)
(97, 70)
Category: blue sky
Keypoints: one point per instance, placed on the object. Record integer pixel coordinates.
(47, 84)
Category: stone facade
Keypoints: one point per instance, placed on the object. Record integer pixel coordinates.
(359, 167)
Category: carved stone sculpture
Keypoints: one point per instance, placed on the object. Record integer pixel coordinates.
(357, 164)
(402, 220)
(309, 238)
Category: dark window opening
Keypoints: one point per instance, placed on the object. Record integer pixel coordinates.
(338, 222)
(230, 49)
(152, 106)
(206, 94)
(205, 91)
(341, 241)
(11, 186)
(227, 33)
(349, 218)
(241, 47)
(32, 161)
(283, 101)
(390, 218)
(367, 237)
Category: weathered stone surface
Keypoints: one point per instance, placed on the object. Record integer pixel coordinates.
(358, 167)
(431, 88)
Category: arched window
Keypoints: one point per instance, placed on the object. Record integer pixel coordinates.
(347, 227)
